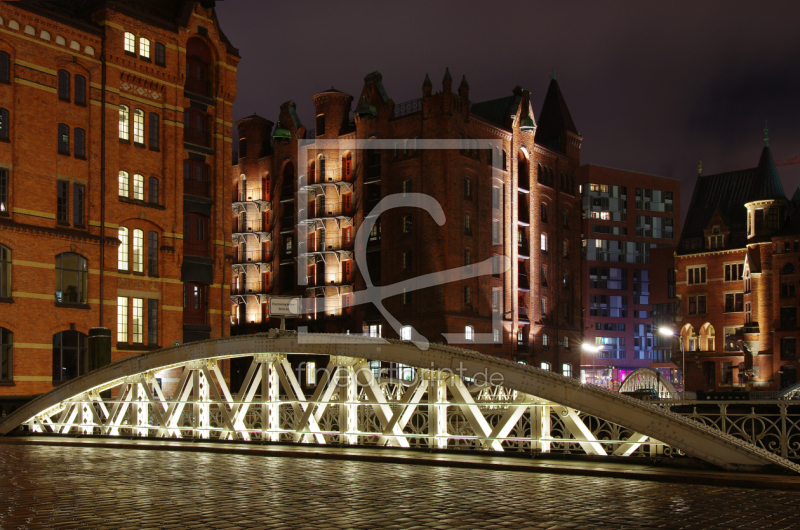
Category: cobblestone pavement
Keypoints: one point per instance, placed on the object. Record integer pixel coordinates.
(60, 487)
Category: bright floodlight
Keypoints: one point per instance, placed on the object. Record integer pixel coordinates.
(589, 347)
(666, 331)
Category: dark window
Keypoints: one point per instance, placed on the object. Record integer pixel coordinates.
(63, 138)
(194, 303)
(788, 348)
(69, 355)
(80, 143)
(152, 321)
(6, 355)
(544, 213)
(5, 67)
(152, 190)
(154, 129)
(3, 192)
(63, 85)
(72, 278)
(788, 317)
(195, 178)
(5, 125)
(242, 147)
(734, 302)
(152, 253)
(320, 124)
(78, 204)
(198, 58)
(467, 188)
(5, 272)
(62, 201)
(194, 234)
(161, 55)
(194, 127)
(80, 90)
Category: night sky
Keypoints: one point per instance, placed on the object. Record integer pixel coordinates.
(652, 86)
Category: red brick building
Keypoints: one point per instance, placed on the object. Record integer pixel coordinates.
(736, 277)
(625, 216)
(525, 207)
(115, 123)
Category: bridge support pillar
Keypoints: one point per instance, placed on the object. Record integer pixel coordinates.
(437, 407)
(540, 428)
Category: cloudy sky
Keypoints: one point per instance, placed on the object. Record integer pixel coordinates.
(652, 86)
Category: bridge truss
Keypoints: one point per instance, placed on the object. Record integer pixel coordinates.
(441, 408)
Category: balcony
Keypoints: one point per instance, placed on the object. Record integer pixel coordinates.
(201, 87)
(252, 256)
(522, 282)
(198, 188)
(329, 244)
(196, 137)
(524, 251)
(331, 175)
(287, 223)
(331, 210)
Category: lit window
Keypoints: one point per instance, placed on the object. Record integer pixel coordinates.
(130, 42)
(138, 250)
(496, 336)
(122, 251)
(138, 187)
(311, 374)
(469, 333)
(544, 242)
(138, 320)
(372, 330)
(138, 126)
(124, 116)
(122, 319)
(566, 370)
(123, 183)
(144, 48)
(545, 366)
(544, 340)
(405, 333)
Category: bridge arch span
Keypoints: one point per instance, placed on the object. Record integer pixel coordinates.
(349, 387)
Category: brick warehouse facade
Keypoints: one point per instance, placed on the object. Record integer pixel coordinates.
(736, 267)
(102, 127)
(488, 213)
(625, 215)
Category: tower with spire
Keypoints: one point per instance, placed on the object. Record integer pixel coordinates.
(766, 203)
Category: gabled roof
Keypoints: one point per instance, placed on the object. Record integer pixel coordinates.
(496, 110)
(767, 184)
(555, 119)
(726, 192)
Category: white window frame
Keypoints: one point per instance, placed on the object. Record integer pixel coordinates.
(122, 319)
(543, 242)
(138, 126)
(138, 187)
(124, 183)
(544, 366)
(122, 251)
(130, 42)
(311, 373)
(469, 333)
(144, 48)
(137, 320)
(405, 333)
(138, 250)
(124, 122)
(690, 275)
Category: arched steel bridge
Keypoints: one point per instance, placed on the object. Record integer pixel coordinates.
(520, 407)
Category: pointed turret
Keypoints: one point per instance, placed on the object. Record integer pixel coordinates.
(767, 184)
(447, 82)
(555, 121)
(427, 86)
(463, 88)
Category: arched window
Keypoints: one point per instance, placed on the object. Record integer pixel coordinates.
(144, 48)
(123, 183)
(5, 272)
(194, 303)
(63, 85)
(138, 250)
(69, 355)
(788, 268)
(6, 355)
(469, 333)
(138, 187)
(198, 59)
(122, 250)
(124, 117)
(72, 278)
(5, 125)
(130, 42)
(63, 138)
(5, 67)
(195, 227)
(152, 190)
(320, 125)
(321, 168)
(467, 295)
(543, 242)
(138, 126)
(80, 90)
(152, 253)
(545, 366)
(161, 54)
(405, 333)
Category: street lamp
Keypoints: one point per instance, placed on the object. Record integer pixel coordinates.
(669, 332)
(594, 350)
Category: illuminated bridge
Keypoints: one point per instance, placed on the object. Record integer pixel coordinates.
(450, 404)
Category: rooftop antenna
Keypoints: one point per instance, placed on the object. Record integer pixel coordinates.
(766, 134)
